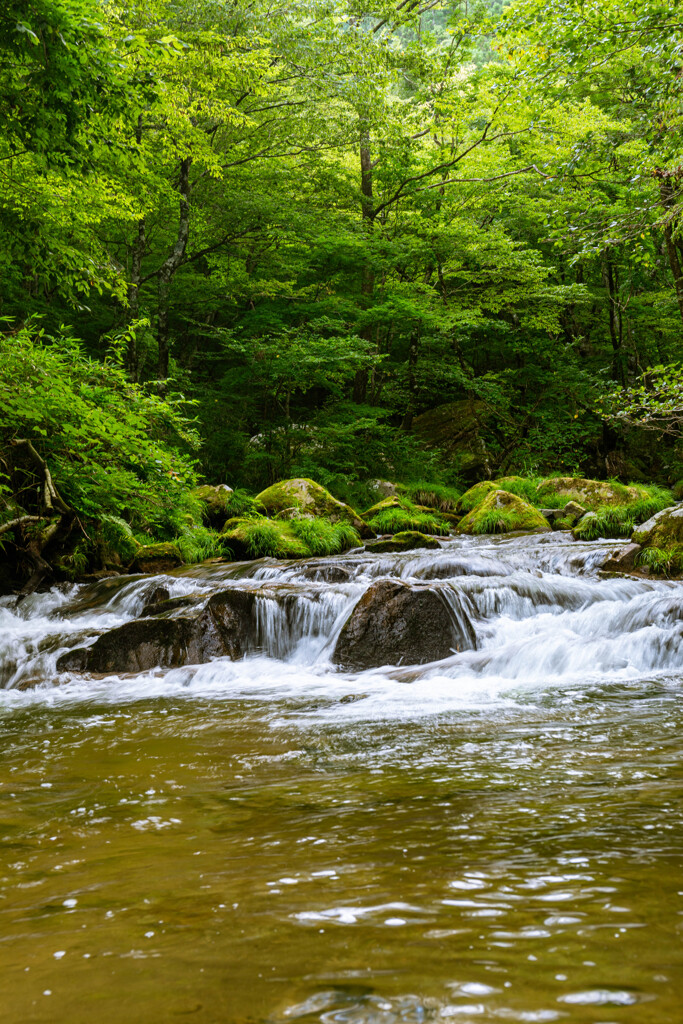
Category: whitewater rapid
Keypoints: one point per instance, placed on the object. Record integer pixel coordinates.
(544, 618)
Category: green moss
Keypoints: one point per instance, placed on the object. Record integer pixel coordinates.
(609, 521)
(476, 494)
(622, 520)
(304, 495)
(594, 494)
(158, 557)
(406, 540)
(663, 530)
(323, 537)
(502, 512)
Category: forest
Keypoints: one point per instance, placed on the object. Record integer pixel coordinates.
(420, 241)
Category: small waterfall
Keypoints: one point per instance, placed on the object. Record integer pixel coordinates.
(297, 626)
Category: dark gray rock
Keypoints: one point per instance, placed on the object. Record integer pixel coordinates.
(622, 559)
(73, 661)
(394, 623)
(326, 573)
(223, 627)
(155, 595)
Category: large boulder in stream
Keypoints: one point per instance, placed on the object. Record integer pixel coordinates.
(663, 530)
(394, 623)
(303, 496)
(502, 512)
(223, 627)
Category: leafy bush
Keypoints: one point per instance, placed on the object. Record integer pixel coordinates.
(396, 520)
(113, 448)
(114, 535)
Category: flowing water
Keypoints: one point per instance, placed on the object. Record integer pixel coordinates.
(494, 837)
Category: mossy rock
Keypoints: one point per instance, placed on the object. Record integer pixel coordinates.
(407, 540)
(304, 496)
(158, 557)
(662, 530)
(502, 512)
(392, 501)
(475, 495)
(591, 493)
(216, 500)
(246, 539)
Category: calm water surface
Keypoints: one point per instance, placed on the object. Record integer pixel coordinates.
(287, 844)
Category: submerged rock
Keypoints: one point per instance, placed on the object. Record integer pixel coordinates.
(145, 644)
(406, 540)
(394, 623)
(501, 512)
(301, 495)
(662, 530)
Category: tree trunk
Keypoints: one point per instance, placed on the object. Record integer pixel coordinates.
(413, 354)
(137, 254)
(668, 198)
(615, 327)
(360, 384)
(170, 266)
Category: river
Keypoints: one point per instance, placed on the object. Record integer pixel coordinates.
(493, 837)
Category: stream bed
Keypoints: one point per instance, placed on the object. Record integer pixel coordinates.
(497, 836)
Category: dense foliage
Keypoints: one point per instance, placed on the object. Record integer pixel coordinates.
(434, 241)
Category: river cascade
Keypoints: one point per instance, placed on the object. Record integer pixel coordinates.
(508, 808)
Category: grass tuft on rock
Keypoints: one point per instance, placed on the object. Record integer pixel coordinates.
(437, 496)
(666, 562)
(398, 520)
(259, 537)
